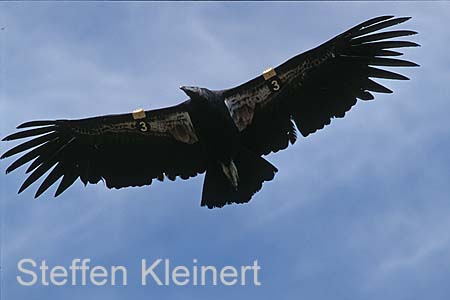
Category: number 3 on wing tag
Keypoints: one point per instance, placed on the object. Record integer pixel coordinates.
(142, 126)
(274, 84)
(270, 75)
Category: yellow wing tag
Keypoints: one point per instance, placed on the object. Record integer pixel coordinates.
(269, 73)
(270, 76)
(138, 114)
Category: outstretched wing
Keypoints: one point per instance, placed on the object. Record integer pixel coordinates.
(123, 150)
(313, 87)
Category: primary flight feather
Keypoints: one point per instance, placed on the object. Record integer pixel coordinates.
(224, 132)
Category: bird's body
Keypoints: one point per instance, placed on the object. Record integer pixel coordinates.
(228, 162)
(223, 133)
(214, 125)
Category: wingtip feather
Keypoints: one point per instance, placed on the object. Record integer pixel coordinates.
(22, 188)
(36, 123)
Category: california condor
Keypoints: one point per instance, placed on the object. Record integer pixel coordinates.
(224, 133)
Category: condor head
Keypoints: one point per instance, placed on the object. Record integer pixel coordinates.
(195, 92)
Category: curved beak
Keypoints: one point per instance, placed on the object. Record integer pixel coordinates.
(188, 91)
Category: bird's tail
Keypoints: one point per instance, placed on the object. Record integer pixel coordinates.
(252, 170)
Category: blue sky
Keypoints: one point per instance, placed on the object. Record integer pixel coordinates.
(359, 210)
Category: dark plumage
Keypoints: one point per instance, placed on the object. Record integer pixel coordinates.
(221, 132)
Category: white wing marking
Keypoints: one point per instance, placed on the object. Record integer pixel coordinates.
(241, 106)
(178, 124)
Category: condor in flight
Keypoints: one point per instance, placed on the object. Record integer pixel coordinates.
(224, 132)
